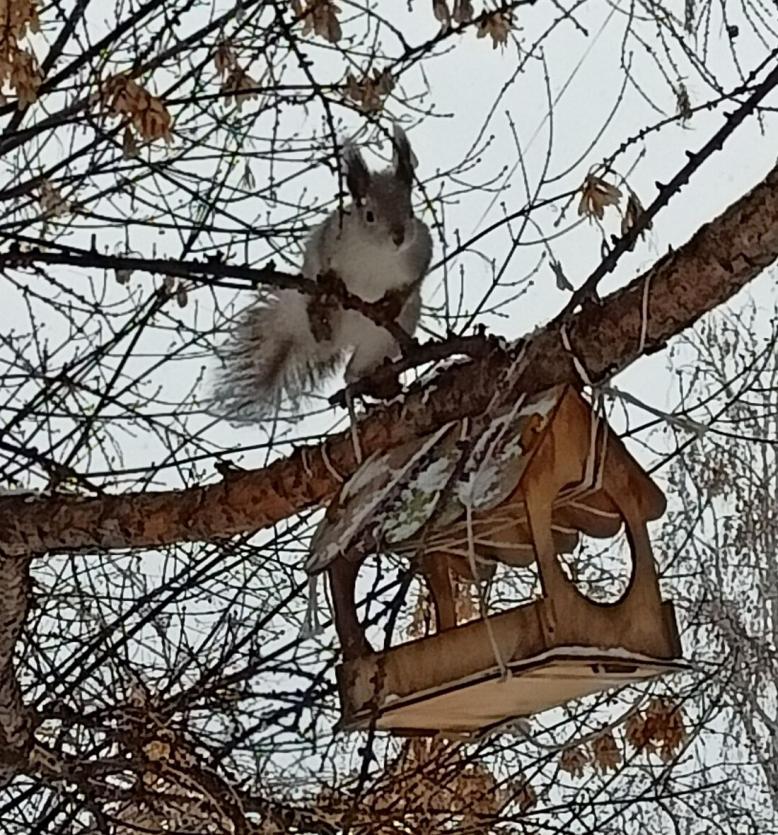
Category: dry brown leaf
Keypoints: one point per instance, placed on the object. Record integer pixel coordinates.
(18, 66)
(573, 760)
(319, 17)
(497, 26)
(157, 750)
(605, 752)
(240, 85)
(660, 730)
(147, 113)
(526, 796)
(371, 92)
(638, 733)
(442, 13)
(596, 195)
(683, 103)
(463, 11)
(129, 145)
(429, 783)
(52, 201)
(633, 214)
(224, 57)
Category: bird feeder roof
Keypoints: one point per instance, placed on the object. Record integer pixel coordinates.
(430, 482)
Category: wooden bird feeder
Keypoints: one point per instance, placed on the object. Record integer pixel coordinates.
(518, 489)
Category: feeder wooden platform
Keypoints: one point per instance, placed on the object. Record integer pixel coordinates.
(450, 683)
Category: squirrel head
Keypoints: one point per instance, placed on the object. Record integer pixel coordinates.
(382, 200)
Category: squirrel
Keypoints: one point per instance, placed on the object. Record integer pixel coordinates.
(286, 344)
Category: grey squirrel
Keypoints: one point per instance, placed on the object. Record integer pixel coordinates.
(281, 348)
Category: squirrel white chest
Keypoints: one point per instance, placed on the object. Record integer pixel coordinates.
(369, 269)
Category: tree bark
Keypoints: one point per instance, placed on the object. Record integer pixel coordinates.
(15, 722)
(723, 256)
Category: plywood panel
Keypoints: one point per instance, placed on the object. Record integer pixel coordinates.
(552, 679)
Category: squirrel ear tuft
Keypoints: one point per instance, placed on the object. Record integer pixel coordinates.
(404, 158)
(357, 174)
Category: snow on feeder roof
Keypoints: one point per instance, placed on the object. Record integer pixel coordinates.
(517, 487)
(394, 494)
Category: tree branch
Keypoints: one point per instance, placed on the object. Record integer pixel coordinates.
(15, 725)
(722, 257)
(213, 270)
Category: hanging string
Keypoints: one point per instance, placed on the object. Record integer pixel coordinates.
(482, 603)
(595, 465)
(354, 427)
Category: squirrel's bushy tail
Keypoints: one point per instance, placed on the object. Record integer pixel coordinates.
(270, 358)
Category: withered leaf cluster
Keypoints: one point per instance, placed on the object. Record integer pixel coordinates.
(606, 754)
(51, 200)
(237, 83)
(371, 92)
(659, 730)
(596, 195)
(319, 17)
(18, 66)
(462, 12)
(146, 113)
(497, 26)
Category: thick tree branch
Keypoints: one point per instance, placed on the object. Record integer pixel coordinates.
(722, 257)
(15, 725)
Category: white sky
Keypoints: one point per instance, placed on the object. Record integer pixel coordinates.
(585, 79)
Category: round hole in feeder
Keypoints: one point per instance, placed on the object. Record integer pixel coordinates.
(601, 569)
